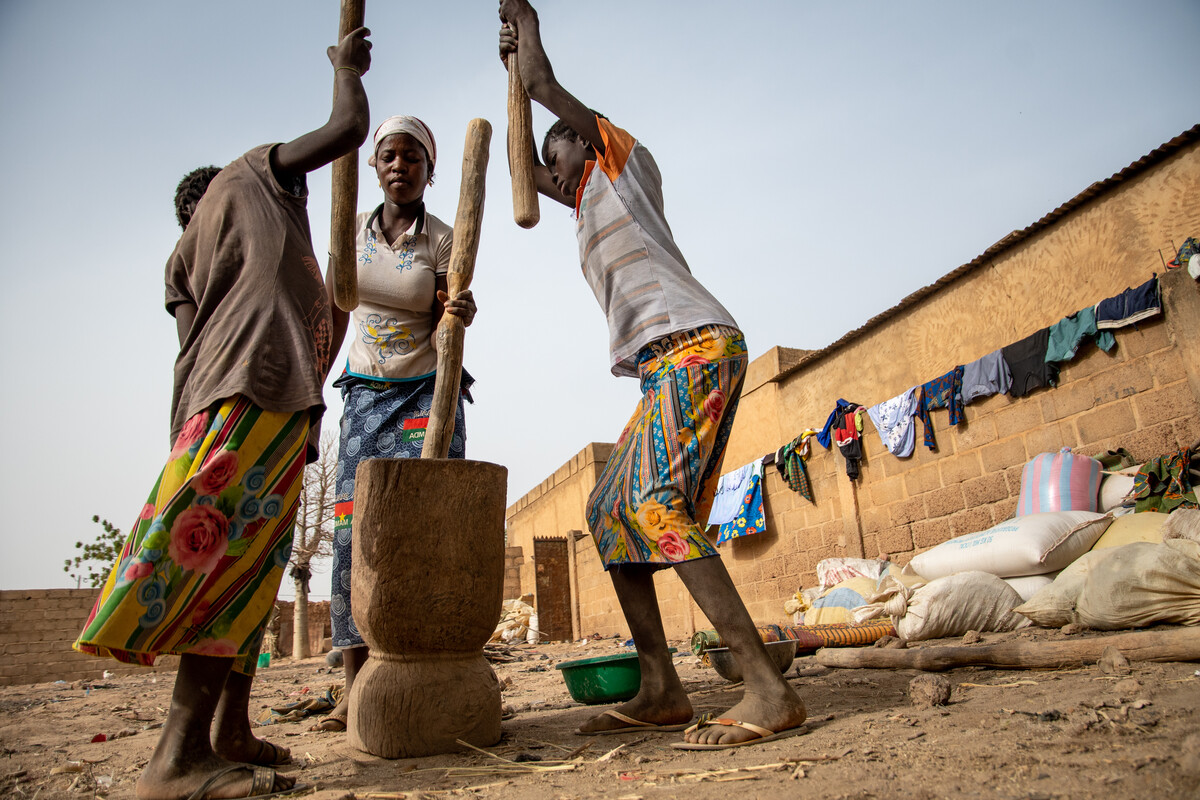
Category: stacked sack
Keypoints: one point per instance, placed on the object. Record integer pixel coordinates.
(1129, 585)
(975, 581)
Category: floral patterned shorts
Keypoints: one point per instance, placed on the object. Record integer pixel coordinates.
(662, 476)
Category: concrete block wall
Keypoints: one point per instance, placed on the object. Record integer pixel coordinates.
(37, 628)
(599, 611)
(513, 558)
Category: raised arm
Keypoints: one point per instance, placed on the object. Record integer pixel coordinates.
(538, 76)
(349, 121)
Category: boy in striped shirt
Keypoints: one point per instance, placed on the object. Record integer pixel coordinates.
(647, 509)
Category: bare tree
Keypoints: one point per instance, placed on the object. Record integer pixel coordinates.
(313, 536)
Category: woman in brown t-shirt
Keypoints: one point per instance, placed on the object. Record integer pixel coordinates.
(199, 572)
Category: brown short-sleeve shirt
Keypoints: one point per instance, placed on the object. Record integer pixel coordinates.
(263, 326)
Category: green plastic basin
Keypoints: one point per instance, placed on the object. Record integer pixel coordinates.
(603, 679)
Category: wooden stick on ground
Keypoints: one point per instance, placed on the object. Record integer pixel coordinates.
(345, 192)
(520, 158)
(1177, 644)
(450, 330)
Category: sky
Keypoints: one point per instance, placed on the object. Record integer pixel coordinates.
(820, 161)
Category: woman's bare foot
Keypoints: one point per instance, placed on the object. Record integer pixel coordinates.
(234, 741)
(252, 750)
(671, 710)
(779, 712)
(334, 721)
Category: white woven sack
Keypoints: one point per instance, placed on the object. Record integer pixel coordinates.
(1030, 545)
(968, 601)
(1115, 487)
(1029, 585)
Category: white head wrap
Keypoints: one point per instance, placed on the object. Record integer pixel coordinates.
(402, 123)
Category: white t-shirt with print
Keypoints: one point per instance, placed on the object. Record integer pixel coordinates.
(390, 330)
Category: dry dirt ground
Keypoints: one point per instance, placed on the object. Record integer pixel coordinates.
(1076, 733)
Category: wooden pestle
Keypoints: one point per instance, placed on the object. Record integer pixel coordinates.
(345, 193)
(451, 330)
(520, 156)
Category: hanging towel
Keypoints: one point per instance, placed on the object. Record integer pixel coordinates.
(985, 377)
(942, 392)
(1130, 306)
(1026, 361)
(730, 489)
(789, 460)
(1069, 333)
(749, 518)
(825, 437)
(894, 421)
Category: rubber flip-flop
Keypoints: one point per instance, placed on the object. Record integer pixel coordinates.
(763, 734)
(631, 726)
(260, 786)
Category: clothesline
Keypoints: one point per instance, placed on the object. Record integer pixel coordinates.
(1016, 369)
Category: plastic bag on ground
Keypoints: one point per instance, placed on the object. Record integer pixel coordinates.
(514, 622)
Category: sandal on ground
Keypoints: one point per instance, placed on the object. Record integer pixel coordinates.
(763, 734)
(329, 724)
(631, 725)
(260, 787)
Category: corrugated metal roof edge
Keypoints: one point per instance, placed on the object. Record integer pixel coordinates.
(1098, 188)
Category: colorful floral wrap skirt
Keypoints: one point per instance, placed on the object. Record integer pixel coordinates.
(380, 420)
(200, 570)
(662, 476)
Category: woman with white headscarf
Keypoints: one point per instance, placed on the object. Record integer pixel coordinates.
(403, 255)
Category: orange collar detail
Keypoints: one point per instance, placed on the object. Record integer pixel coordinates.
(588, 166)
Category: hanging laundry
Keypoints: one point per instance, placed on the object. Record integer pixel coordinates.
(1189, 248)
(847, 433)
(825, 437)
(1165, 483)
(1069, 332)
(894, 421)
(1027, 363)
(789, 460)
(943, 392)
(985, 377)
(1130, 306)
(730, 489)
(749, 518)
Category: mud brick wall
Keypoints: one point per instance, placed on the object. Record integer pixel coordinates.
(37, 628)
(319, 626)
